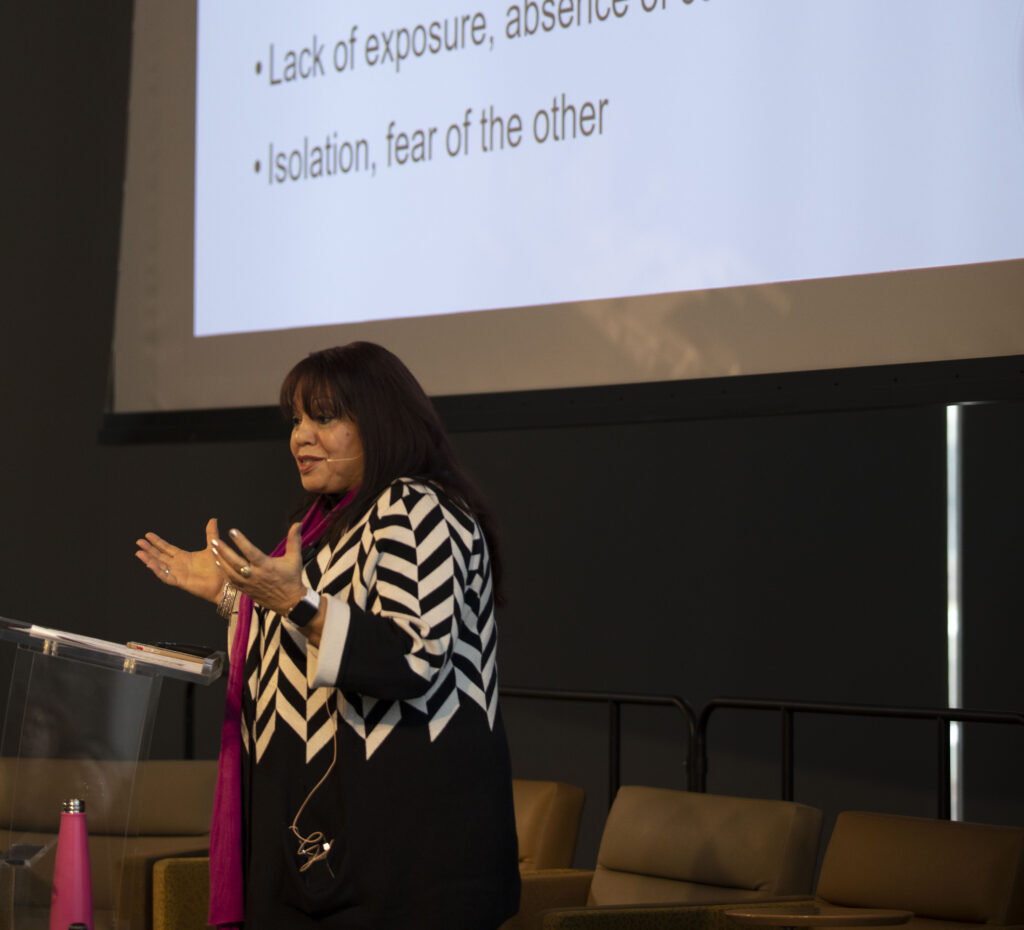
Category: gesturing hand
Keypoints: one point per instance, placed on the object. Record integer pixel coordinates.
(274, 582)
(195, 572)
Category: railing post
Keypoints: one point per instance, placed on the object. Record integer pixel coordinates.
(699, 750)
(787, 754)
(698, 772)
(942, 732)
(614, 755)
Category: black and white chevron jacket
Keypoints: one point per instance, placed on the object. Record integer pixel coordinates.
(410, 629)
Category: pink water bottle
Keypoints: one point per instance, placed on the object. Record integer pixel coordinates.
(72, 882)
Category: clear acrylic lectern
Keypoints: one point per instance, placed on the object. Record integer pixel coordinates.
(79, 718)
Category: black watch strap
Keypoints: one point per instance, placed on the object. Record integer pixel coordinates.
(306, 610)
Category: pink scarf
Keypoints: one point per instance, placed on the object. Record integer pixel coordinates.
(227, 893)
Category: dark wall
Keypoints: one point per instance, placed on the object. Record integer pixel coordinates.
(796, 556)
(993, 636)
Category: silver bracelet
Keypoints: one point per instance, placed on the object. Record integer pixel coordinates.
(227, 600)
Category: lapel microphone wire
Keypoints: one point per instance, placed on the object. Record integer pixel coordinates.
(315, 846)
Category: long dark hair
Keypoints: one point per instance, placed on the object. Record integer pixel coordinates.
(400, 430)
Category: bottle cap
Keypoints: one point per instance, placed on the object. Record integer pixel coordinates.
(73, 806)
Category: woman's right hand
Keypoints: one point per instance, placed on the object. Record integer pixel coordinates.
(195, 572)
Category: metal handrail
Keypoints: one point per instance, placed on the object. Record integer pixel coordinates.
(942, 716)
(615, 700)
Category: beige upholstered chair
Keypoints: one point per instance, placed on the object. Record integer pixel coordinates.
(181, 893)
(547, 822)
(949, 874)
(662, 846)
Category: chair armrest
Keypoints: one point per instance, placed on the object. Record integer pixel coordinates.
(181, 893)
(653, 916)
(547, 888)
(136, 896)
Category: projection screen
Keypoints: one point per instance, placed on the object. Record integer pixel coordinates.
(564, 193)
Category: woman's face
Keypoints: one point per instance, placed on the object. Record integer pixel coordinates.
(328, 451)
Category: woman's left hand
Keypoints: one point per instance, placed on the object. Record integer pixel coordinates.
(272, 582)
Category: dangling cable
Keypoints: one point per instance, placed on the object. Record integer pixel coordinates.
(315, 846)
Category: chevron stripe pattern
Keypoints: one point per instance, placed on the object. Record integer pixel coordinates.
(418, 562)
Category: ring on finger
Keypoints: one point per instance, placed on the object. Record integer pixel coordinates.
(245, 571)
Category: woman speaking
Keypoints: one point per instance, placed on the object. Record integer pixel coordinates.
(364, 774)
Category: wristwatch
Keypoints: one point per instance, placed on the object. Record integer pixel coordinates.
(306, 610)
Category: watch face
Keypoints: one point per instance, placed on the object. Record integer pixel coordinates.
(304, 612)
